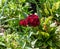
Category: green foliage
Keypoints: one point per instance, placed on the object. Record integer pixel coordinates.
(44, 36)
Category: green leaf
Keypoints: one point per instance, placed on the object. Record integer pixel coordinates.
(58, 43)
(38, 11)
(50, 42)
(24, 14)
(2, 44)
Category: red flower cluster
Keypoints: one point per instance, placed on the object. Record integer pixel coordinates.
(23, 22)
(31, 20)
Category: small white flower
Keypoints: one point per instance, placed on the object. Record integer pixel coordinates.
(35, 13)
(2, 34)
(27, 4)
(53, 24)
(57, 30)
(57, 15)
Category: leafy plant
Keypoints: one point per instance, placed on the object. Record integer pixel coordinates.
(44, 36)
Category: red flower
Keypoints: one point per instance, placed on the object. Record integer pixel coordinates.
(23, 22)
(33, 20)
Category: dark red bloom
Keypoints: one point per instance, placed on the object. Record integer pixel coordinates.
(23, 22)
(33, 20)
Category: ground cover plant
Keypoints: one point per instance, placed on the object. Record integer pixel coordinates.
(29, 24)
